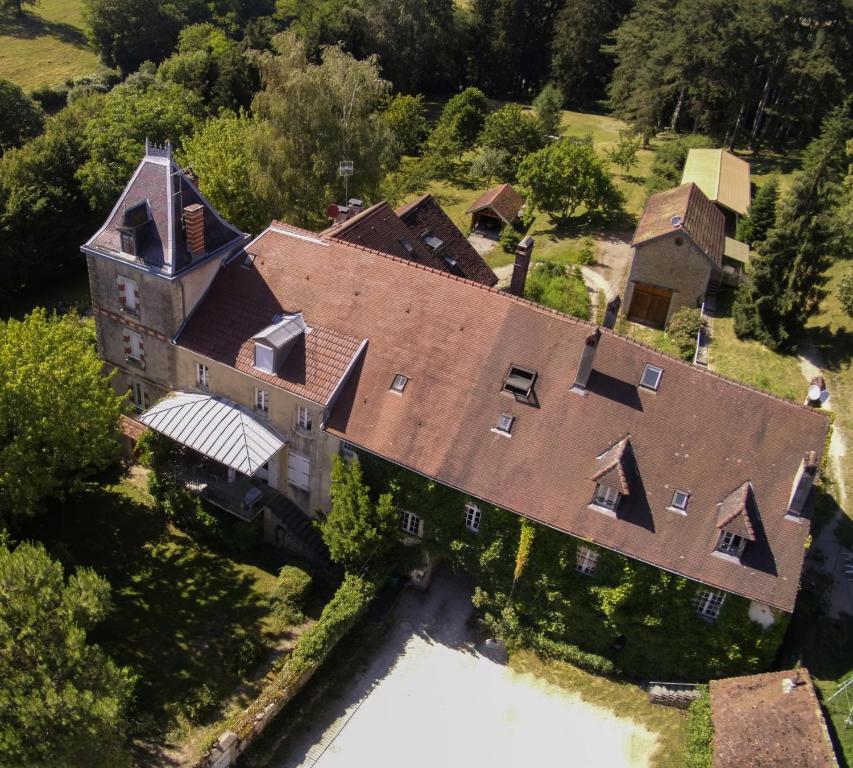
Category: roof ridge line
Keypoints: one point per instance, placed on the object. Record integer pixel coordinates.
(715, 374)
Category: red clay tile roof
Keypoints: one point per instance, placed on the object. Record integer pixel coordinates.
(735, 513)
(503, 200)
(758, 725)
(455, 340)
(614, 470)
(701, 220)
(161, 183)
(424, 214)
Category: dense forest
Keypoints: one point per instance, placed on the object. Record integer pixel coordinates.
(220, 81)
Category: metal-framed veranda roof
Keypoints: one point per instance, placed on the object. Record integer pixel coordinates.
(216, 428)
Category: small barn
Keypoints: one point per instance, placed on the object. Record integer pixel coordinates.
(496, 208)
(725, 180)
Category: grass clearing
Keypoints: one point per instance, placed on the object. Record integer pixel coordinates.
(623, 699)
(192, 621)
(46, 45)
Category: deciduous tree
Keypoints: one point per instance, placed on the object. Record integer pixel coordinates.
(62, 701)
(58, 413)
(624, 154)
(20, 117)
(566, 175)
(405, 117)
(516, 132)
(357, 529)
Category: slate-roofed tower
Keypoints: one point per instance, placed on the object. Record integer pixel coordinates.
(149, 264)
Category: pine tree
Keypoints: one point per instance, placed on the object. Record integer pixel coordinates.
(783, 287)
(753, 229)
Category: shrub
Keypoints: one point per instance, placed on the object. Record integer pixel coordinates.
(700, 733)
(683, 328)
(550, 284)
(555, 649)
(156, 451)
(199, 703)
(510, 238)
(247, 651)
(288, 597)
(182, 508)
(587, 253)
(845, 292)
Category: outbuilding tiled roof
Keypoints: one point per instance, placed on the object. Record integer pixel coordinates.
(684, 208)
(503, 200)
(455, 341)
(722, 176)
(762, 721)
(425, 214)
(160, 185)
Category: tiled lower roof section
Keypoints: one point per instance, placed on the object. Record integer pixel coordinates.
(454, 339)
(503, 200)
(757, 724)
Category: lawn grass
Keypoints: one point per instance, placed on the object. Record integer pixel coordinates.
(46, 45)
(751, 362)
(651, 337)
(182, 609)
(623, 699)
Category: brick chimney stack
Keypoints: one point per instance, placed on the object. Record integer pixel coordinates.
(194, 228)
(803, 481)
(585, 365)
(522, 264)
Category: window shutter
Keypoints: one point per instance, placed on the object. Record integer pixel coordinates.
(136, 295)
(125, 336)
(122, 291)
(145, 399)
(420, 527)
(141, 349)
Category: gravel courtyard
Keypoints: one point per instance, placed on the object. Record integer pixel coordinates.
(430, 698)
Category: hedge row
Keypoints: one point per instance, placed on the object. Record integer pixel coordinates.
(555, 649)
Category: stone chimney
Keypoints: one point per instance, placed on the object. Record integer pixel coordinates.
(587, 359)
(194, 228)
(803, 481)
(522, 264)
(611, 312)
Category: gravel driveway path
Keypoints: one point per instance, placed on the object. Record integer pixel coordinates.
(431, 699)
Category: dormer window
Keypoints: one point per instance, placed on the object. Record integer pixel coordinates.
(130, 230)
(128, 243)
(273, 343)
(606, 496)
(399, 383)
(731, 544)
(504, 425)
(519, 383)
(651, 377)
(679, 501)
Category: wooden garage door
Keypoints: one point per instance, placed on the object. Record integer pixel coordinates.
(649, 305)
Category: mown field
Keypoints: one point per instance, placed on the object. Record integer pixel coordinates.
(46, 45)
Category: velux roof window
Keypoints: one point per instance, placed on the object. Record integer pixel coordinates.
(399, 383)
(504, 425)
(651, 377)
(519, 382)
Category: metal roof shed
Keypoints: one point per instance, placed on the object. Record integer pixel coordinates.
(216, 428)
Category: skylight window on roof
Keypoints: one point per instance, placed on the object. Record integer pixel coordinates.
(399, 383)
(679, 500)
(449, 260)
(504, 425)
(519, 382)
(248, 260)
(407, 244)
(433, 242)
(651, 377)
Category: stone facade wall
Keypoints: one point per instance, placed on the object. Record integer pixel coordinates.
(317, 446)
(665, 263)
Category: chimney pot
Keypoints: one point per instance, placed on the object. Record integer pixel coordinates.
(194, 228)
(522, 264)
(585, 365)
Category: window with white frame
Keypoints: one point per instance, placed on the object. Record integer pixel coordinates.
(348, 451)
(651, 376)
(202, 376)
(298, 471)
(504, 425)
(708, 602)
(134, 347)
(262, 401)
(137, 394)
(730, 543)
(605, 496)
(128, 294)
(587, 559)
(472, 517)
(679, 500)
(399, 383)
(411, 523)
(303, 418)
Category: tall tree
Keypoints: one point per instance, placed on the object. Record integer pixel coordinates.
(62, 702)
(313, 116)
(58, 413)
(515, 132)
(753, 229)
(463, 116)
(357, 529)
(548, 106)
(405, 117)
(20, 117)
(579, 66)
(783, 287)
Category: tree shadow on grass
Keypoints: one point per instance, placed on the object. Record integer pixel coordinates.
(28, 26)
(836, 346)
(181, 610)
